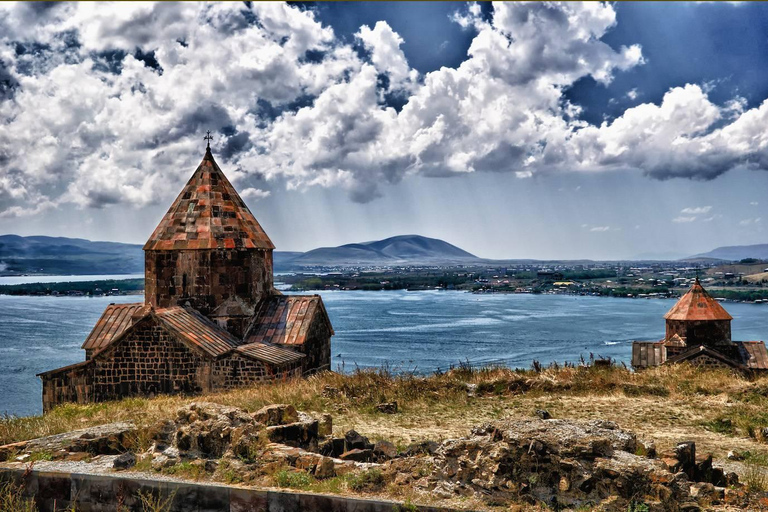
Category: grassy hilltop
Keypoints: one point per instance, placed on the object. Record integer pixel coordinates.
(719, 410)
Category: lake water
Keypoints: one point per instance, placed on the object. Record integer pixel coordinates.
(422, 330)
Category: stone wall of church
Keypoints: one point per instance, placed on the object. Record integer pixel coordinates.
(708, 362)
(69, 384)
(701, 332)
(149, 361)
(237, 370)
(317, 348)
(206, 277)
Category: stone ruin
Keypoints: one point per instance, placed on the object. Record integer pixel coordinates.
(560, 463)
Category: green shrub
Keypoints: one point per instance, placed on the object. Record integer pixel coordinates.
(370, 480)
(293, 479)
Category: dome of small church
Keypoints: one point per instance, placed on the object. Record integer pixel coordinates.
(697, 305)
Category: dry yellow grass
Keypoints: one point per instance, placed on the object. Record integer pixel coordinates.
(719, 410)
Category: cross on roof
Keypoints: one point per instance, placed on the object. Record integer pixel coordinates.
(209, 139)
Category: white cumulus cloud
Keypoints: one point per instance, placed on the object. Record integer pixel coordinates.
(106, 104)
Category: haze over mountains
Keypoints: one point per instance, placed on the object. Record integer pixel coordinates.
(65, 256)
(736, 252)
(77, 256)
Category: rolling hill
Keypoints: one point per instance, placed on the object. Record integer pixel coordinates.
(65, 256)
(404, 249)
(736, 252)
(73, 256)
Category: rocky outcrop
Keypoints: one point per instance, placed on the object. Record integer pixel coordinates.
(558, 462)
(110, 439)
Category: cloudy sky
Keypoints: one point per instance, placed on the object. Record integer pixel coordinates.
(512, 130)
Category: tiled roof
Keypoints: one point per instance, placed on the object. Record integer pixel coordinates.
(285, 319)
(208, 214)
(270, 353)
(754, 355)
(648, 353)
(115, 319)
(697, 304)
(197, 330)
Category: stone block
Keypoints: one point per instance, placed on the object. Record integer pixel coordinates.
(357, 455)
(353, 440)
(276, 414)
(332, 447)
(294, 434)
(384, 450)
(325, 425)
(124, 461)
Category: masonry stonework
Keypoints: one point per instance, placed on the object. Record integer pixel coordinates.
(211, 318)
(206, 278)
(700, 332)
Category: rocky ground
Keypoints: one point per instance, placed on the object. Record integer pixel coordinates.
(518, 463)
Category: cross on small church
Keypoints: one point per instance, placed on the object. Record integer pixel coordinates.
(209, 139)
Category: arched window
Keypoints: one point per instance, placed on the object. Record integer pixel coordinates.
(184, 284)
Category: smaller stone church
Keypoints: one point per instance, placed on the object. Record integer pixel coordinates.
(211, 318)
(699, 332)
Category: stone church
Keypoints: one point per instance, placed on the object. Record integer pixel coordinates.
(211, 318)
(698, 331)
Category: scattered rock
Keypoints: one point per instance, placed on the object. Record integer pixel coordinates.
(354, 441)
(734, 455)
(685, 453)
(702, 490)
(387, 407)
(276, 414)
(325, 425)
(543, 414)
(124, 461)
(384, 450)
(301, 433)
(566, 464)
(421, 447)
(647, 448)
(357, 455)
(325, 468)
(332, 447)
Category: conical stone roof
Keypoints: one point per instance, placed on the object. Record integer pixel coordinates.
(208, 214)
(697, 305)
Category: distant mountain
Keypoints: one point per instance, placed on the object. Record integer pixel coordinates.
(65, 256)
(404, 249)
(736, 252)
(59, 255)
